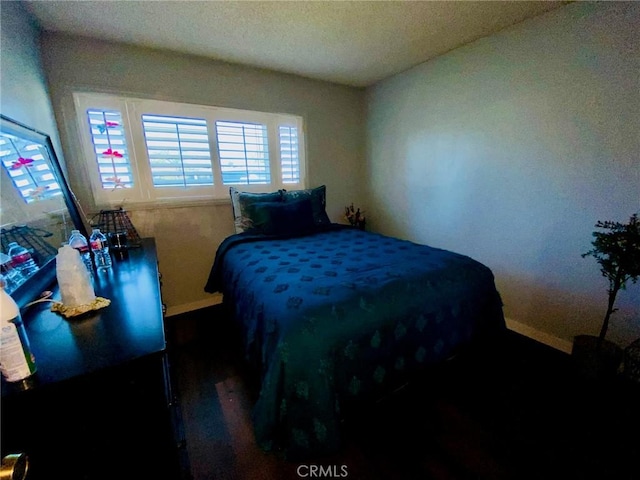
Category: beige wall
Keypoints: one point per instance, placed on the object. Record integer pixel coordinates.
(24, 97)
(24, 94)
(510, 149)
(187, 238)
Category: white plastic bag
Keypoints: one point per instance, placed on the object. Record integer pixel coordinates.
(73, 278)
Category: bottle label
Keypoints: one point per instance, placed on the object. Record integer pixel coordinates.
(96, 245)
(20, 259)
(16, 360)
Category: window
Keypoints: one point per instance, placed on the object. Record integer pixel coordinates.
(244, 153)
(178, 151)
(27, 165)
(150, 151)
(110, 149)
(290, 161)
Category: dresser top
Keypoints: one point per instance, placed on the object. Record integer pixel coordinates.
(129, 328)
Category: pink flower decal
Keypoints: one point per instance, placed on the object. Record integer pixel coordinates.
(21, 162)
(112, 153)
(103, 126)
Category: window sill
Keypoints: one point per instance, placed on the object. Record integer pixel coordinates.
(164, 204)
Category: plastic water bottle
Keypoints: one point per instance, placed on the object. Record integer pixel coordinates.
(80, 243)
(21, 260)
(100, 249)
(13, 278)
(16, 360)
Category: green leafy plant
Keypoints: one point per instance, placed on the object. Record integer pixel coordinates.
(616, 247)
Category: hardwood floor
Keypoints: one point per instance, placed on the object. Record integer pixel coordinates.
(513, 411)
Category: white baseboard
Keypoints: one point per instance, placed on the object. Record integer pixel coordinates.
(542, 337)
(215, 299)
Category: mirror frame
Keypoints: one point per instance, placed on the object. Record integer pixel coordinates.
(46, 275)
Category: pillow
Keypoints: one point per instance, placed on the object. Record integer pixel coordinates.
(282, 218)
(241, 200)
(318, 197)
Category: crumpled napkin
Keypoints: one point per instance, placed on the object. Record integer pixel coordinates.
(69, 311)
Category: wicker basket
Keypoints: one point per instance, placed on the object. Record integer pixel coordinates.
(114, 222)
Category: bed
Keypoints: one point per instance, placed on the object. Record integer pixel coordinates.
(332, 316)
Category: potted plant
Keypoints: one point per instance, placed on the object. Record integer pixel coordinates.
(616, 247)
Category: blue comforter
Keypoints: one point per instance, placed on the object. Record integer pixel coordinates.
(341, 315)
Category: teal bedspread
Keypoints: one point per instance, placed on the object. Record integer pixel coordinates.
(343, 316)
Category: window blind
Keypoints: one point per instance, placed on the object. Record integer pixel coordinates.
(178, 151)
(110, 148)
(143, 150)
(244, 152)
(289, 159)
(27, 165)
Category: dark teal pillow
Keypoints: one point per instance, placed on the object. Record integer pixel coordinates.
(282, 218)
(240, 202)
(318, 197)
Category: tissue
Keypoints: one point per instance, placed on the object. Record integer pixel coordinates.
(73, 278)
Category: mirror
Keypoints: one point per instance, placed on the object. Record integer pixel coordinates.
(37, 213)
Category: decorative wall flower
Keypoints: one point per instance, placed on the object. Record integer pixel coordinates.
(21, 162)
(118, 182)
(103, 126)
(24, 162)
(38, 192)
(355, 217)
(112, 153)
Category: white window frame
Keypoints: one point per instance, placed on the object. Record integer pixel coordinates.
(143, 190)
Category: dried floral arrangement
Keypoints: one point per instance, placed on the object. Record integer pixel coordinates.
(355, 217)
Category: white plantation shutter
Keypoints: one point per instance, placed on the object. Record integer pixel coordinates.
(289, 154)
(243, 150)
(178, 151)
(27, 165)
(110, 148)
(149, 151)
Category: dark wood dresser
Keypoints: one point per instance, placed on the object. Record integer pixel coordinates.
(101, 404)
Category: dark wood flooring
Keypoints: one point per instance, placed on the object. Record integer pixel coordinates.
(515, 411)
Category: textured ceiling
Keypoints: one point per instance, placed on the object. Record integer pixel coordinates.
(351, 42)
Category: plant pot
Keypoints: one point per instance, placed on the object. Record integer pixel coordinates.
(631, 369)
(593, 361)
